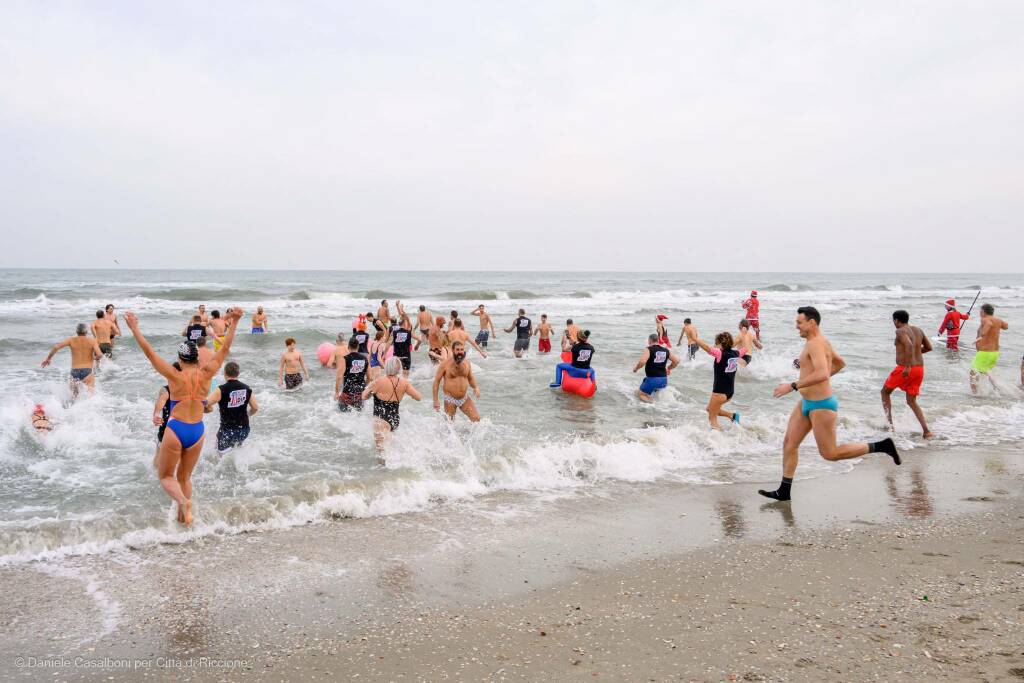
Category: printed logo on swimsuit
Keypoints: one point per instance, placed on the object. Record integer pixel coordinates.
(357, 367)
(660, 356)
(400, 337)
(236, 398)
(732, 365)
(584, 354)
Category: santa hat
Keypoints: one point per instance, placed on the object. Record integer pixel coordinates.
(951, 302)
(662, 317)
(753, 292)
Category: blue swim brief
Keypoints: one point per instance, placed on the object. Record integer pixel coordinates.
(830, 403)
(653, 384)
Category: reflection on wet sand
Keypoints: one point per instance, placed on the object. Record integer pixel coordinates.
(914, 503)
(784, 508)
(731, 516)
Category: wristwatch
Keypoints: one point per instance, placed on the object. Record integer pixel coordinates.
(792, 385)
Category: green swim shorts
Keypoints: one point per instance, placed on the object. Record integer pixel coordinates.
(984, 361)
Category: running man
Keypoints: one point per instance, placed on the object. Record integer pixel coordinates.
(384, 313)
(236, 403)
(951, 325)
(456, 373)
(203, 318)
(690, 332)
(747, 340)
(987, 344)
(911, 345)
(195, 328)
(458, 334)
(260, 324)
(486, 326)
(544, 331)
(104, 330)
(84, 351)
(424, 321)
(818, 408)
(218, 327)
(109, 314)
(570, 335)
(524, 330)
(401, 339)
(753, 308)
(291, 363)
(658, 362)
(205, 354)
(350, 379)
(435, 339)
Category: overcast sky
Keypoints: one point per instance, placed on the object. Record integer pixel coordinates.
(516, 135)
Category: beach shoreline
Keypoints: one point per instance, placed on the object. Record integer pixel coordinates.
(420, 591)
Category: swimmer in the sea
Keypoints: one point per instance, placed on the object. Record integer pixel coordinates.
(434, 339)
(690, 332)
(339, 350)
(456, 376)
(205, 353)
(727, 361)
(84, 351)
(817, 409)
(40, 422)
(195, 329)
(384, 313)
(402, 336)
(109, 314)
(570, 335)
(661, 331)
(292, 366)
(486, 326)
(104, 330)
(203, 318)
(377, 348)
(260, 323)
(658, 362)
(524, 330)
(911, 345)
(544, 332)
(388, 392)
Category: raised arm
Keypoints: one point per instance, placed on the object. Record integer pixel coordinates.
(704, 345)
(158, 363)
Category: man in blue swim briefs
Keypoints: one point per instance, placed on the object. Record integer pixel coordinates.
(818, 408)
(657, 363)
(84, 350)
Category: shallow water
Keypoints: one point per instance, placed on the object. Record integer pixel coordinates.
(89, 486)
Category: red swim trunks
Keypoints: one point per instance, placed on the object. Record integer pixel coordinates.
(910, 384)
(544, 346)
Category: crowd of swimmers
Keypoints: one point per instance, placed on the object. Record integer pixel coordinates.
(373, 361)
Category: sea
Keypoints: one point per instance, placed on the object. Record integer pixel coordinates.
(89, 487)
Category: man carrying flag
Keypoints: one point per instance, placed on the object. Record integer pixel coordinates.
(951, 325)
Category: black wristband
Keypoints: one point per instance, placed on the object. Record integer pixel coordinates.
(792, 385)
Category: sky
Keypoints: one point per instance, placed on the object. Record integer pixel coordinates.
(663, 136)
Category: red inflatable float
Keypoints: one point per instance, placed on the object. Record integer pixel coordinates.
(581, 386)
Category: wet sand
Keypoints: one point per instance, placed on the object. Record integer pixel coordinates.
(628, 582)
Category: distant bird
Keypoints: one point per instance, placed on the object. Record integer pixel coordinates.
(117, 262)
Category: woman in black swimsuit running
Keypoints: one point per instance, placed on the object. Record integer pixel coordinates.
(388, 391)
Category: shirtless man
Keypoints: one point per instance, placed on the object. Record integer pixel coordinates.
(457, 375)
(544, 330)
(486, 326)
(259, 322)
(458, 334)
(911, 345)
(203, 318)
(340, 350)
(84, 350)
(987, 344)
(570, 336)
(690, 332)
(424, 321)
(104, 330)
(523, 327)
(817, 409)
(384, 313)
(291, 362)
(206, 354)
(434, 340)
(218, 327)
(746, 339)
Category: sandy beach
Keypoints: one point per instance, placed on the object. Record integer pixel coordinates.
(884, 573)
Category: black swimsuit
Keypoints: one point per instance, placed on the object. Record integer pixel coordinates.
(387, 410)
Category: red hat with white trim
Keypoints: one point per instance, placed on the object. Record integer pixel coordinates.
(950, 302)
(753, 292)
